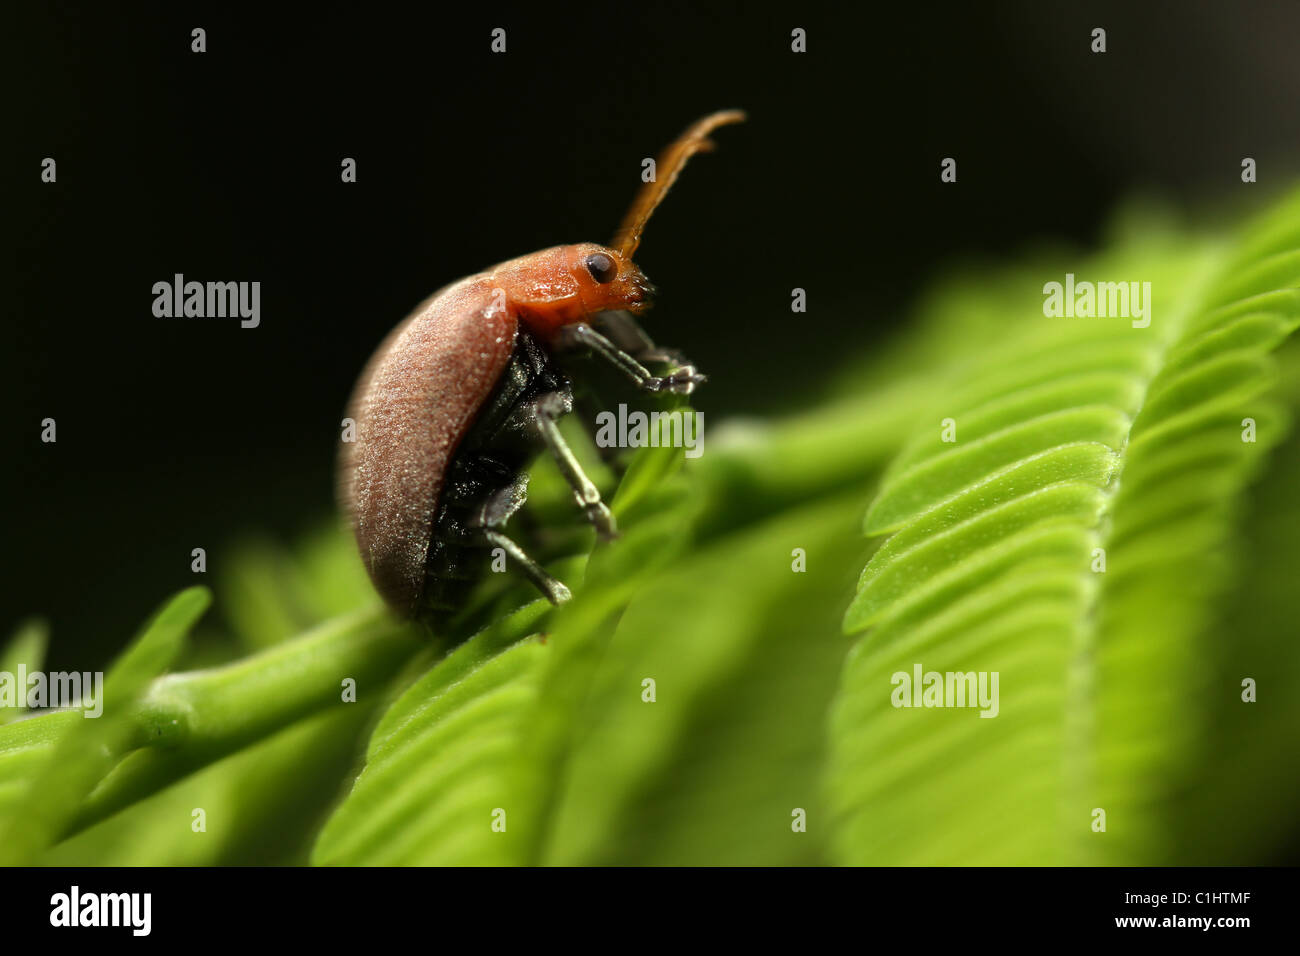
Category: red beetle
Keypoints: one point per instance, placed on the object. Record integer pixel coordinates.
(456, 401)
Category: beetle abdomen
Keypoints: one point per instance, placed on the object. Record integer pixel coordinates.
(414, 403)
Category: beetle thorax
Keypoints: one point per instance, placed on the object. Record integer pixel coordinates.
(557, 286)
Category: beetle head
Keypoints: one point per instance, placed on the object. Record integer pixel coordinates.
(608, 280)
(568, 284)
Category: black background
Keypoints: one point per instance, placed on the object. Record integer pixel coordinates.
(174, 433)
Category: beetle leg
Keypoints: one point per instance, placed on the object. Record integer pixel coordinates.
(622, 328)
(497, 508)
(491, 514)
(682, 381)
(624, 331)
(548, 409)
(551, 587)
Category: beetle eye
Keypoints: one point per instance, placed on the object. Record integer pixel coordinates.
(601, 267)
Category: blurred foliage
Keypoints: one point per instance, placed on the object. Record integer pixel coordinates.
(720, 677)
(1079, 442)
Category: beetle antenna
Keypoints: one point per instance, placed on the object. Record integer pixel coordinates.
(667, 167)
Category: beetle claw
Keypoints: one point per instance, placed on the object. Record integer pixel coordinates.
(680, 382)
(600, 517)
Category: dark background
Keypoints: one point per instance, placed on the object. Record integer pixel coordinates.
(177, 433)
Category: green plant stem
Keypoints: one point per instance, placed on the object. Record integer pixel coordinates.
(187, 721)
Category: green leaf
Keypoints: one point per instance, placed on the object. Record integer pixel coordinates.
(264, 596)
(77, 759)
(261, 806)
(1078, 441)
(436, 776)
(1250, 772)
(744, 652)
(26, 650)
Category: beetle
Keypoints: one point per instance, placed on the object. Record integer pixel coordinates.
(463, 394)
